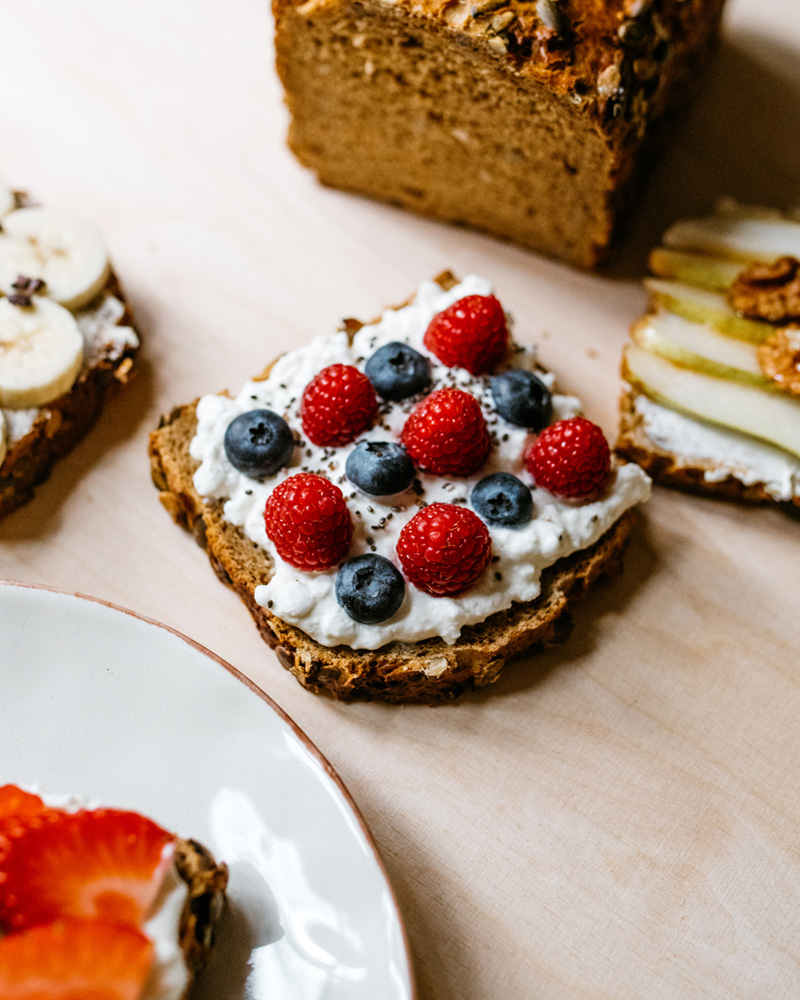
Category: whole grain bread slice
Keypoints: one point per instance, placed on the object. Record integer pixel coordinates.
(680, 471)
(424, 672)
(61, 424)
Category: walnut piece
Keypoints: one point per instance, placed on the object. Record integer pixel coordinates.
(768, 291)
(779, 358)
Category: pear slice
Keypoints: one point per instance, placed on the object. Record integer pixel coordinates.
(770, 416)
(693, 345)
(712, 273)
(737, 236)
(702, 306)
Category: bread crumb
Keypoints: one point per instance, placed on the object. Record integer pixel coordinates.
(435, 667)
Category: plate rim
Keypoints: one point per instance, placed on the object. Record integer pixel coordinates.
(306, 741)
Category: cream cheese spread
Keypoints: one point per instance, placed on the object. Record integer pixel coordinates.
(308, 600)
(725, 452)
(169, 978)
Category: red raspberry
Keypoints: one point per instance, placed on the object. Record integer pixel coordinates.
(446, 434)
(444, 549)
(471, 334)
(337, 406)
(571, 459)
(308, 522)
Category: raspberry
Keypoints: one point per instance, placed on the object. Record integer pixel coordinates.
(471, 334)
(308, 522)
(444, 549)
(337, 406)
(446, 434)
(571, 459)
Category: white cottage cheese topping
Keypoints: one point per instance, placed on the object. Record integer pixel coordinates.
(170, 976)
(725, 452)
(308, 600)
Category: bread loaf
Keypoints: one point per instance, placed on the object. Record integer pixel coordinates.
(525, 119)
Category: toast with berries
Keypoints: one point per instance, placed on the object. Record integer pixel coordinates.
(100, 902)
(711, 395)
(403, 505)
(66, 336)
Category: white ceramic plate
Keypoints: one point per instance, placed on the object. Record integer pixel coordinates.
(97, 701)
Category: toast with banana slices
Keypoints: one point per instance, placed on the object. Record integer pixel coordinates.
(66, 335)
(711, 395)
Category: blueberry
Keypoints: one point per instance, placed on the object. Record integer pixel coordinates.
(369, 588)
(379, 468)
(503, 499)
(258, 443)
(522, 399)
(398, 371)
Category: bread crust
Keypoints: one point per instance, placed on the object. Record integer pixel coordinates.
(205, 882)
(61, 424)
(426, 672)
(671, 469)
(644, 40)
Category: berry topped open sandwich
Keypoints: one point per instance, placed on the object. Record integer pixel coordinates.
(100, 904)
(65, 337)
(711, 400)
(402, 505)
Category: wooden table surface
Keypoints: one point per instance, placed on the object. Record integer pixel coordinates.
(616, 818)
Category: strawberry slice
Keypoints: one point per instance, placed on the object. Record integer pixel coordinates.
(18, 809)
(75, 960)
(105, 864)
(18, 806)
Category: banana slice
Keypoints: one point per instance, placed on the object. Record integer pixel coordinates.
(7, 199)
(66, 253)
(3, 438)
(41, 352)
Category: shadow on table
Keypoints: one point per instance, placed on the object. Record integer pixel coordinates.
(119, 420)
(605, 598)
(739, 138)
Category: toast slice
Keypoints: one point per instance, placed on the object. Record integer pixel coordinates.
(697, 473)
(33, 438)
(429, 670)
(81, 882)
(425, 672)
(710, 399)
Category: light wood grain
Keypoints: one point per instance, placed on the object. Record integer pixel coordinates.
(618, 817)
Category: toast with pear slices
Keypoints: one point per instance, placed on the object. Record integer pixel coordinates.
(97, 896)
(711, 394)
(66, 336)
(424, 649)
